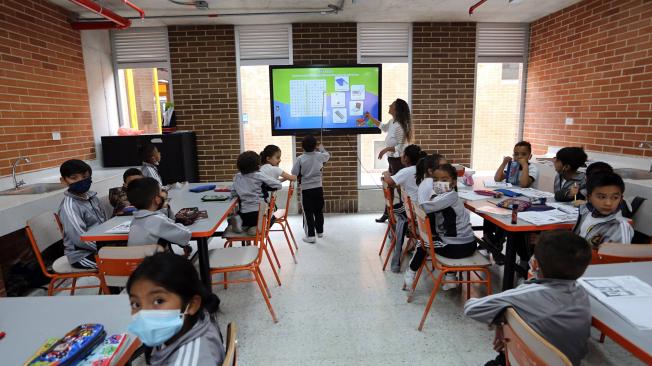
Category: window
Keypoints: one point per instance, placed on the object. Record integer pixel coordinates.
(142, 69)
(388, 44)
(501, 56)
(257, 47)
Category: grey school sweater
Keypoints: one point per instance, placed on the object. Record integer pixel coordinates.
(79, 213)
(308, 167)
(249, 189)
(200, 346)
(562, 193)
(558, 310)
(148, 227)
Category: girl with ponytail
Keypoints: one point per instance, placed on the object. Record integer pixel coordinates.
(173, 313)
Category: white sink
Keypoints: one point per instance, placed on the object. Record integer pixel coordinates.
(36, 188)
(634, 174)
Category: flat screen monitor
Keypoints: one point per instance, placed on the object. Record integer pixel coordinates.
(324, 99)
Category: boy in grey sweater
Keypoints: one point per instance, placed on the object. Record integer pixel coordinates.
(308, 169)
(79, 211)
(552, 303)
(151, 224)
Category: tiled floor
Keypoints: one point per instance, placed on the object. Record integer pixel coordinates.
(337, 307)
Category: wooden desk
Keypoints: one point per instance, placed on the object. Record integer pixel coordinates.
(201, 230)
(522, 226)
(636, 341)
(30, 321)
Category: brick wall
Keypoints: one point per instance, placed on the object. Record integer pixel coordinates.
(205, 95)
(443, 66)
(592, 62)
(332, 43)
(42, 87)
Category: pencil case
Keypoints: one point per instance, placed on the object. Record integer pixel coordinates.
(484, 192)
(215, 197)
(73, 347)
(508, 193)
(520, 204)
(203, 188)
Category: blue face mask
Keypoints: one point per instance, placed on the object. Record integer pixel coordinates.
(82, 186)
(155, 327)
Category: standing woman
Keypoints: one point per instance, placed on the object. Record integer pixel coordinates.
(399, 133)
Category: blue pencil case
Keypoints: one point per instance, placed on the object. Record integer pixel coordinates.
(508, 193)
(204, 188)
(72, 348)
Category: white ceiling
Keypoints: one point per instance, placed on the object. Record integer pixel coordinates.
(352, 11)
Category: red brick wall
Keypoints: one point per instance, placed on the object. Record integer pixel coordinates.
(205, 92)
(42, 87)
(332, 43)
(443, 67)
(592, 62)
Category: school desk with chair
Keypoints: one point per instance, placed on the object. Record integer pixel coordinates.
(202, 230)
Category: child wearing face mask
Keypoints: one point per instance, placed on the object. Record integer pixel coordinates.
(118, 195)
(600, 220)
(450, 222)
(151, 158)
(151, 223)
(173, 313)
(79, 211)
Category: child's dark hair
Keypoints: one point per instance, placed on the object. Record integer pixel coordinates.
(268, 152)
(248, 162)
(74, 166)
(598, 167)
(141, 192)
(574, 157)
(130, 173)
(147, 152)
(603, 179)
(177, 275)
(427, 162)
(524, 144)
(309, 143)
(450, 170)
(414, 153)
(562, 254)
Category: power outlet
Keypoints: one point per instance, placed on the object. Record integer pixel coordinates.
(569, 121)
(56, 136)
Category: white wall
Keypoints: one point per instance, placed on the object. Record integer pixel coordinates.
(96, 47)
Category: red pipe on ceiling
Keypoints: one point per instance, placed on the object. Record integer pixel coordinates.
(115, 20)
(474, 6)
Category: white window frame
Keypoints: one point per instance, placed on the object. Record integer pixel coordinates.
(381, 60)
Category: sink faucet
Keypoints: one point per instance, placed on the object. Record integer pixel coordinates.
(649, 146)
(17, 184)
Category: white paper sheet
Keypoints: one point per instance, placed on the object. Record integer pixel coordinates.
(533, 193)
(628, 296)
(490, 184)
(539, 218)
(471, 196)
(120, 229)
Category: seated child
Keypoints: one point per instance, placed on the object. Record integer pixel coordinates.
(308, 169)
(270, 157)
(79, 211)
(569, 183)
(118, 196)
(151, 224)
(407, 179)
(552, 303)
(173, 313)
(450, 222)
(517, 169)
(600, 220)
(248, 187)
(151, 159)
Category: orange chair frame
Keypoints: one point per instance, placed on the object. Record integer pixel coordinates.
(253, 267)
(426, 234)
(599, 257)
(391, 224)
(115, 267)
(58, 279)
(282, 220)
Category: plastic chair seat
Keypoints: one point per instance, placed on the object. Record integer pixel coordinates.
(279, 214)
(232, 235)
(476, 260)
(232, 257)
(61, 265)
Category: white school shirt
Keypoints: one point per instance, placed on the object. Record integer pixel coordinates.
(271, 171)
(407, 178)
(395, 137)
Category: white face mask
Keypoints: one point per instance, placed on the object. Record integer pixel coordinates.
(440, 187)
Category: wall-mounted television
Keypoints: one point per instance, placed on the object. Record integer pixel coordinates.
(326, 99)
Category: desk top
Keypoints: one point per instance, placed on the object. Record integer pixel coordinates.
(179, 198)
(505, 222)
(29, 321)
(643, 270)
